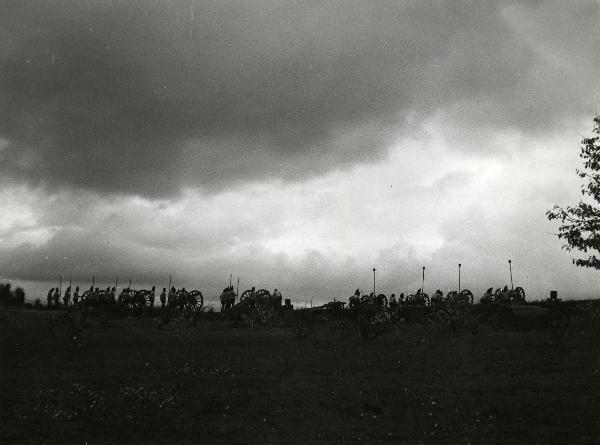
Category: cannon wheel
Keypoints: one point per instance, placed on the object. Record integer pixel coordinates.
(143, 295)
(468, 295)
(365, 299)
(85, 296)
(245, 295)
(382, 299)
(135, 300)
(263, 295)
(196, 299)
(520, 294)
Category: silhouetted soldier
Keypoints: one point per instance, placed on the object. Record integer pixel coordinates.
(393, 302)
(163, 297)
(152, 296)
(172, 297)
(56, 297)
(49, 298)
(76, 295)
(223, 298)
(277, 297)
(67, 297)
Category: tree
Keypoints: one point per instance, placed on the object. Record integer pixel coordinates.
(580, 225)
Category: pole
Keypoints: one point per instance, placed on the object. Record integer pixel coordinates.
(117, 284)
(169, 283)
(229, 280)
(60, 285)
(374, 294)
(511, 280)
(238, 287)
(93, 280)
(70, 281)
(130, 278)
(459, 277)
(423, 285)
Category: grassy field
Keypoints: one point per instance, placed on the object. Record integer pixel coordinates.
(122, 380)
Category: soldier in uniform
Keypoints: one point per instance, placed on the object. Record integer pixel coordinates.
(163, 297)
(49, 298)
(172, 297)
(56, 297)
(152, 296)
(277, 297)
(76, 295)
(67, 297)
(393, 302)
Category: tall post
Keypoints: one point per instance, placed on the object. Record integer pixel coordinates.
(459, 277)
(93, 280)
(116, 284)
(169, 283)
(130, 278)
(237, 292)
(229, 280)
(510, 268)
(374, 294)
(60, 285)
(423, 284)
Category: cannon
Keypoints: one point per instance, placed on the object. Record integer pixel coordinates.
(419, 298)
(189, 300)
(506, 295)
(455, 298)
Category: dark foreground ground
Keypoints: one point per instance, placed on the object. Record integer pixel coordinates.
(125, 381)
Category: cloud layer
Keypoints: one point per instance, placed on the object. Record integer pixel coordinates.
(148, 97)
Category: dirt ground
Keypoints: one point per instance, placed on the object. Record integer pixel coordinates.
(123, 380)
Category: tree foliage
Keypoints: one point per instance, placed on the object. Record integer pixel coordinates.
(580, 225)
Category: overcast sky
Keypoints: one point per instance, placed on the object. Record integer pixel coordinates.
(295, 144)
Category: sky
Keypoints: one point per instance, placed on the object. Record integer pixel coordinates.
(294, 144)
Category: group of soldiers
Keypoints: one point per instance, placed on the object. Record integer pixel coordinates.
(97, 295)
(53, 298)
(357, 298)
(393, 301)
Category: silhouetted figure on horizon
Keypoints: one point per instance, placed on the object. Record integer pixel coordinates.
(49, 298)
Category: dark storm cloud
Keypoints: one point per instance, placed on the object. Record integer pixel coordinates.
(149, 96)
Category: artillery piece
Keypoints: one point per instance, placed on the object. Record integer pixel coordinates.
(189, 300)
(455, 298)
(358, 299)
(380, 299)
(510, 296)
(419, 298)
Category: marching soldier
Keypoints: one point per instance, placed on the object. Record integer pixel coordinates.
(152, 296)
(277, 297)
(56, 297)
(49, 298)
(163, 297)
(67, 297)
(76, 295)
(393, 302)
(172, 297)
